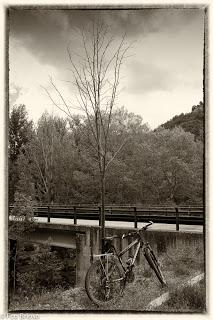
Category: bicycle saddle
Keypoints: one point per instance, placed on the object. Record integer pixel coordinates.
(111, 238)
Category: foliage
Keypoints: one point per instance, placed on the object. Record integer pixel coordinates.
(20, 129)
(191, 122)
(137, 295)
(164, 166)
(58, 167)
(39, 270)
(21, 217)
(20, 133)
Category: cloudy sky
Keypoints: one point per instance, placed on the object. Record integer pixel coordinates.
(161, 77)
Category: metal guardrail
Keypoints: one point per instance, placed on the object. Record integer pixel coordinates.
(192, 215)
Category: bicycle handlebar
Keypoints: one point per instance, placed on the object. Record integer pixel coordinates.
(137, 232)
(146, 226)
(130, 233)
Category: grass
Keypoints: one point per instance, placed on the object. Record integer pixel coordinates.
(58, 299)
(178, 267)
(186, 299)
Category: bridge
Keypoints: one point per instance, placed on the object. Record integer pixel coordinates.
(188, 215)
(86, 239)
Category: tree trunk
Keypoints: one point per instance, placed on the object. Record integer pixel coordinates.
(102, 211)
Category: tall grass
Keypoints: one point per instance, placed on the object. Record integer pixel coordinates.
(186, 299)
(184, 261)
(178, 266)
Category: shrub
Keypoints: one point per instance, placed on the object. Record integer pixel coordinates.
(23, 216)
(37, 270)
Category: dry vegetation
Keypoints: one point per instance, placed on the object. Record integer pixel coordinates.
(186, 299)
(178, 266)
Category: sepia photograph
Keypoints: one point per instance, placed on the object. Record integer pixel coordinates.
(106, 153)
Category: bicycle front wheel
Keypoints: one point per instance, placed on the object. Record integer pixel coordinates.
(104, 281)
(152, 260)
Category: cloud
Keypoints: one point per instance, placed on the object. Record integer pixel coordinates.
(40, 32)
(15, 92)
(166, 61)
(46, 33)
(149, 77)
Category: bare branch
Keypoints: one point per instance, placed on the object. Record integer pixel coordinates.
(54, 101)
(115, 154)
(60, 95)
(41, 174)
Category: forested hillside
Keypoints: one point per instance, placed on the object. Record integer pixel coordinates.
(191, 122)
(53, 161)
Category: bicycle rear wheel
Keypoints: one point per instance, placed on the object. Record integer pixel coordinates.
(154, 264)
(104, 281)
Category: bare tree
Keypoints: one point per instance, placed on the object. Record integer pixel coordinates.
(40, 152)
(96, 76)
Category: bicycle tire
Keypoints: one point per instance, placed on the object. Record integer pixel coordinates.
(152, 260)
(95, 284)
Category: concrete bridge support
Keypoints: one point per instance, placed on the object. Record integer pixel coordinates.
(87, 244)
(85, 240)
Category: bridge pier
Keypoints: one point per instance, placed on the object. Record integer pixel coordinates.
(85, 240)
(87, 244)
(82, 257)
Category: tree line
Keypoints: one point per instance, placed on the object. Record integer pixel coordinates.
(53, 162)
(191, 122)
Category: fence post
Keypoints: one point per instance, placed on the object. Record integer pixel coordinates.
(135, 218)
(177, 219)
(99, 208)
(48, 215)
(75, 216)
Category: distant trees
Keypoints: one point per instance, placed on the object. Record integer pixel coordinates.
(153, 167)
(178, 159)
(191, 122)
(46, 161)
(20, 133)
(164, 166)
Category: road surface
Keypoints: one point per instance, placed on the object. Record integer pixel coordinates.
(123, 224)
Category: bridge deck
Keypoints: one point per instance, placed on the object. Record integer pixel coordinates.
(124, 224)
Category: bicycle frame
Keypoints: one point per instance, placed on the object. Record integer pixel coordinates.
(136, 242)
(139, 242)
(101, 285)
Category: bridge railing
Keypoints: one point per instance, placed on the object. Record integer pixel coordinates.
(162, 214)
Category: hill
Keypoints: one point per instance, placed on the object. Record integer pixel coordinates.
(191, 122)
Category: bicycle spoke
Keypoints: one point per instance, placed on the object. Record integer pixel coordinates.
(103, 287)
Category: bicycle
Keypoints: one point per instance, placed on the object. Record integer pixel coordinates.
(106, 278)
